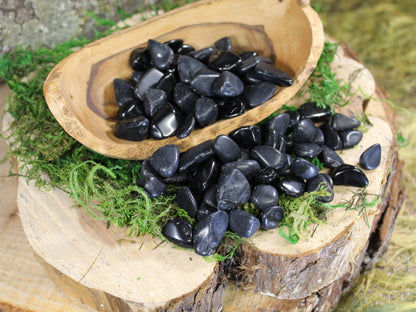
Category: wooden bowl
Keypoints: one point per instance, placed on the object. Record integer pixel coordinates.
(79, 89)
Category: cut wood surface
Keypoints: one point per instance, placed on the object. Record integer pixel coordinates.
(110, 272)
(79, 89)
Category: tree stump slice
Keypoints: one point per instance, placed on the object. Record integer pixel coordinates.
(108, 271)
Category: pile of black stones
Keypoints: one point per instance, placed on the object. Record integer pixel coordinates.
(175, 88)
(255, 164)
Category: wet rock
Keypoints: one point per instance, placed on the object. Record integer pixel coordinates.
(233, 107)
(307, 150)
(304, 169)
(153, 100)
(268, 156)
(330, 158)
(332, 138)
(292, 186)
(247, 136)
(312, 111)
(371, 157)
(233, 190)
(186, 126)
(271, 217)
(350, 138)
(140, 59)
(206, 111)
(249, 167)
(342, 122)
(227, 85)
(161, 55)
(129, 110)
(257, 94)
(349, 175)
(226, 148)
(165, 160)
(264, 196)
(165, 122)
(123, 91)
(321, 182)
(268, 72)
(178, 231)
(203, 81)
(184, 97)
(187, 67)
(196, 155)
(201, 178)
(223, 44)
(186, 200)
(243, 223)
(134, 129)
(224, 60)
(208, 232)
(149, 79)
(304, 131)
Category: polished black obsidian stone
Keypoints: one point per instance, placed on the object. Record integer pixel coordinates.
(224, 60)
(184, 97)
(153, 186)
(203, 81)
(265, 176)
(315, 112)
(322, 182)
(186, 126)
(167, 83)
(204, 210)
(304, 169)
(304, 131)
(206, 111)
(371, 157)
(233, 189)
(248, 167)
(165, 122)
(187, 68)
(201, 178)
(140, 59)
(227, 85)
(153, 100)
(257, 94)
(291, 186)
(350, 138)
(307, 150)
(232, 107)
(294, 118)
(123, 91)
(268, 156)
(130, 109)
(319, 137)
(264, 196)
(332, 138)
(149, 79)
(134, 129)
(247, 54)
(250, 63)
(174, 44)
(165, 160)
(202, 55)
(210, 196)
(349, 175)
(187, 201)
(243, 223)
(136, 75)
(247, 136)
(342, 122)
(268, 72)
(223, 44)
(161, 55)
(185, 49)
(330, 158)
(271, 217)
(196, 155)
(178, 231)
(226, 148)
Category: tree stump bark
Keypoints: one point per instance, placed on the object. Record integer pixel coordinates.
(110, 272)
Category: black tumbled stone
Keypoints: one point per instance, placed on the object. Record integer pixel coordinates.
(226, 148)
(187, 68)
(223, 44)
(342, 122)
(140, 59)
(271, 217)
(210, 196)
(247, 136)
(322, 182)
(248, 167)
(232, 107)
(268, 72)
(153, 186)
(185, 49)
(233, 189)
(371, 157)
(186, 200)
(205, 210)
(165, 160)
(268, 156)
(203, 81)
(292, 186)
(304, 169)
(165, 122)
(250, 63)
(243, 223)
(224, 60)
(227, 85)
(307, 150)
(134, 129)
(257, 94)
(206, 111)
(202, 55)
(174, 44)
(315, 112)
(161, 54)
(149, 79)
(265, 176)
(209, 232)
(332, 138)
(294, 118)
(186, 126)
(153, 100)
(130, 109)
(196, 155)
(349, 175)
(319, 137)
(184, 97)
(123, 91)
(178, 231)
(304, 131)
(264, 196)
(201, 178)
(350, 138)
(330, 158)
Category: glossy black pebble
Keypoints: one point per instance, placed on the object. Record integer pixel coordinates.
(149, 79)
(186, 126)
(268, 72)
(130, 109)
(135, 129)
(251, 62)
(233, 190)
(206, 111)
(268, 156)
(203, 81)
(196, 155)
(271, 217)
(330, 158)
(227, 85)
(153, 100)
(350, 138)
(304, 169)
(307, 150)
(257, 94)
(319, 137)
(186, 200)
(243, 223)
(165, 122)
(277, 125)
(187, 68)
(371, 157)
(184, 97)
(161, 54)
(223, 44)
(248, 167)
(202, 55)
(201, 178)
(224, 60)
(226, 148)
(153, 186)
(174, 44)
(178, 231)
(312, 111)
(332, 138)
(304, 131)
(165, 160)
(350, 176)
(185, 49)
(123, 91)
(264, 196)
(342, 122)
(292, 186)
(210, 196)
(209, 231)
(146, 169)
(140, 59)
(233, 107)
(205, 210)
(265, 176)
(247, 136)
(321, 182)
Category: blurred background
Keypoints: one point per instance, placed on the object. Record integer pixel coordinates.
(381, 33)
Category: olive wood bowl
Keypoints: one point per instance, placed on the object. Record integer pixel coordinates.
(79, 90)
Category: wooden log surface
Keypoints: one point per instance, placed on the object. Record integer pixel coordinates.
(360, 251)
